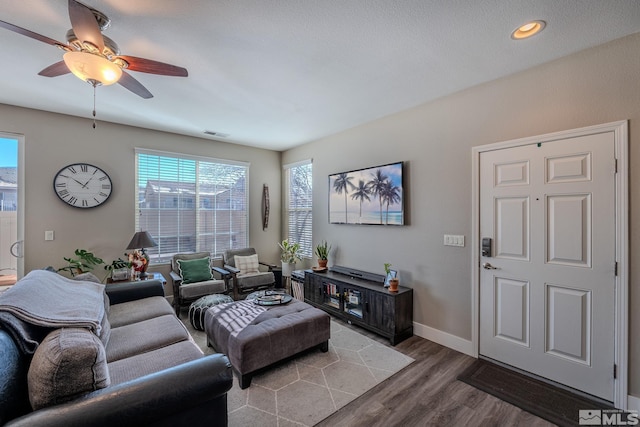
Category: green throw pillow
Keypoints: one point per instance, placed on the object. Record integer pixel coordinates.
(194, 270)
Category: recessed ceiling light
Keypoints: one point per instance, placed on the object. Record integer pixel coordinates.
(527, 30)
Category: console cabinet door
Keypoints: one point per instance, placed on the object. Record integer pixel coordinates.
(313, 288)
(380, 312)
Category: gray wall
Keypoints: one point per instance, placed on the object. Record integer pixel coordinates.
(595, 86)
(53, 141)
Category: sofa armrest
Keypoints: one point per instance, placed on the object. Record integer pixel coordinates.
(149, 400)
(130, 291)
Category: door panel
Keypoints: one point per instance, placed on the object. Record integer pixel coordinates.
(569, 323)
(512, 310)
(548, 307)
(569, 230)
(569, 168)
(512, 227)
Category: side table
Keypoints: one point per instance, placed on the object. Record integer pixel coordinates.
(150, 276)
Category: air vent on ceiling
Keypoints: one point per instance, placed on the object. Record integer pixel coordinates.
(216, 134)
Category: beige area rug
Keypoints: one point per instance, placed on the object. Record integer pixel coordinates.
(305, 390)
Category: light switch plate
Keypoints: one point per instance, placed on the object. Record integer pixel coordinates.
(48, 235)
(454, 240)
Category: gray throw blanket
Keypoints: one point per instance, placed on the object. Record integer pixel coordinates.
(235, 316)
(42, 301)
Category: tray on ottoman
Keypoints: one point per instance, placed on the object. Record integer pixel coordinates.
(254, 336)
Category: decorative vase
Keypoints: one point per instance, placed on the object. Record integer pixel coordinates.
(322, 263)
(393, 285)
(287, 268)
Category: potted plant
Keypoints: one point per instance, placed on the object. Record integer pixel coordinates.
(289, 255)
(119, 269)
(322, 252)
(391, 278)
(82, 263)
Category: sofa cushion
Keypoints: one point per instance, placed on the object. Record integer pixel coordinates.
(69, 362)
(153, 361)
(247, 264)
(147, 335)
(255, 280)
(194, 290)
(130, 312)
(194, 270)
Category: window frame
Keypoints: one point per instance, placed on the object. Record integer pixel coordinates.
(193, 204)
(306, 251)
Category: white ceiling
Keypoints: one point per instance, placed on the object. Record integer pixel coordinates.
(279, 73)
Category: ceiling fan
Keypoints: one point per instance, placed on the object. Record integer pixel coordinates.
(95, 58)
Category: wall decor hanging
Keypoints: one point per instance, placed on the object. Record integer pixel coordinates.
(265, 207)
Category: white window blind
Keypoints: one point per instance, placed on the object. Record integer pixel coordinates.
(191, 204)
(299, 206)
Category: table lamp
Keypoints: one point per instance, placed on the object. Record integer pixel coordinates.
(142, 240)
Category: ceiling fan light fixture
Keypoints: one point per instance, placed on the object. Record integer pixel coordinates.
(92, 68)
(528, 30)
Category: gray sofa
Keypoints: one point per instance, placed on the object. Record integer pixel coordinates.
(139, 367)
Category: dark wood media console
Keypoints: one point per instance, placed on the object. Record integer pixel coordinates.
(360, 298)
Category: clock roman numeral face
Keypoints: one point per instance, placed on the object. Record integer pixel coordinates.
(82, 185)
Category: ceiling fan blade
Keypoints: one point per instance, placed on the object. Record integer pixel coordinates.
(84, 24)
(55, 70)
(134, 86)
(154, 67)
(31, 34)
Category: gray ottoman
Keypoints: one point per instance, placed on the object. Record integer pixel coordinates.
(198, 308)
(254, 336)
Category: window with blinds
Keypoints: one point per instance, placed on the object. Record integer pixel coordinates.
(191, 204)
(299, 206)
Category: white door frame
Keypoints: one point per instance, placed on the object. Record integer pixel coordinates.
(620, 130)
(21, 197)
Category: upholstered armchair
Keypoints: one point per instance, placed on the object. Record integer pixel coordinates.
(247, 272)
(193, 277)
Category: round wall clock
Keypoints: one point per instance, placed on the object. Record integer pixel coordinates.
(82, 185)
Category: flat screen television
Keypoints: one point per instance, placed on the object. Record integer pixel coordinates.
(372, 195)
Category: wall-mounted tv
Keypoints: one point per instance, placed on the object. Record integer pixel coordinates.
(373, 195)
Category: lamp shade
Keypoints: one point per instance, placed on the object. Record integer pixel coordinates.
(142, 239)
(92, 68)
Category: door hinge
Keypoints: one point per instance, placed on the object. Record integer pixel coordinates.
(615, 371)
(616, 165)
(615, 269)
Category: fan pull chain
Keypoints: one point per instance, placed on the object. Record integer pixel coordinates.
(94, 106)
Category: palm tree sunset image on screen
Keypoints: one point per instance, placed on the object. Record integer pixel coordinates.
(342, 184)
(377, 199)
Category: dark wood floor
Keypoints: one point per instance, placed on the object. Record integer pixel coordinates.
(426, 393)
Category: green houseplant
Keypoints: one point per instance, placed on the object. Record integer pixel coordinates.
(289, 255)
(116, 266)
(393, 281)
(322, 252)
(83, 262)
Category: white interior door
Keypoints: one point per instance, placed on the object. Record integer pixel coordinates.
(547, 287)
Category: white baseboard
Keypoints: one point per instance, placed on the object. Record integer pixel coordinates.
(633, 403)
(444, 338)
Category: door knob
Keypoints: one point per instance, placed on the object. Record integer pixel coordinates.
(488, 266)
